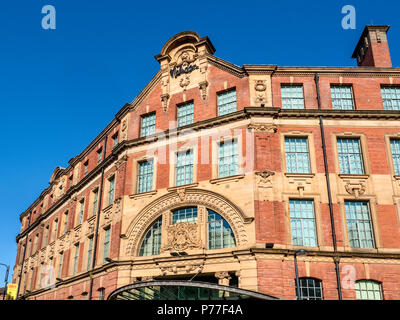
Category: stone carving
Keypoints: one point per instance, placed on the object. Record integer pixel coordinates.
(42, 256)
(182, 236)
(90, 227)
(63, 243)
(223, 278)
(164, 101)
(110, 214)
(264, 176)
(148, 278)
(355, 189)
(124, 129)
(76, 235)
(51, 251)
(121, 161)
(174, 269)
(184, 82)
(233, 215)
(262, 127)
(260, 88)
(203, 89)
(222, 275)
(181, 194)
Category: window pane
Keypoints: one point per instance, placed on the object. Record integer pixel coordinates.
(302, 221)
(310, 289)
(151, 243)
(368, 290)
(342, 97)
(148, 125)
(226, 102)
(184, 168)
(185, 114)
(184, 215)
(106, 251)
(220, 234)
(228, 164)
(391, 97)
(145, 178)
(350, 157)
(359, 225)
(297, 156)
(395, 146)
(292, 97)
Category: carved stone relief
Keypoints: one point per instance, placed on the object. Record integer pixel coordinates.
(355, 189)
(183, 236)
(263, 127)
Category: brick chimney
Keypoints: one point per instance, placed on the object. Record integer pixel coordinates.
(372, 49)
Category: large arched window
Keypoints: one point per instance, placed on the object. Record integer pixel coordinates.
(151, 243)
(220, 234)
(368, 290)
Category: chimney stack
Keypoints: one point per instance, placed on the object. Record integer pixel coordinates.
(372, 49)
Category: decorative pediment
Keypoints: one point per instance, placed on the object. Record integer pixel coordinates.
(183, 64)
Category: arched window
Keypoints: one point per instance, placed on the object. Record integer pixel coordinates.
(151, 243)
(220, 234)
(310, 289)
(368, 290)
(184, 215)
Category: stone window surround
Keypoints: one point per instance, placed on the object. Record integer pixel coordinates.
(135, 169)
(227, 89)
(316, 198)
(388, 136)
(215, 152)
(311, 150)
(372, 201)
(107, 189)
(343, 84)
(293, 84)
(172, 163)
(364, 152)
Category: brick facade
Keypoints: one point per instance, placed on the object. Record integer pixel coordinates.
(255, 202)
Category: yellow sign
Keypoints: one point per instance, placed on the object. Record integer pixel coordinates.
(11, 291)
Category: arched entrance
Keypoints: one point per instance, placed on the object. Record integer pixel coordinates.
(184, 290)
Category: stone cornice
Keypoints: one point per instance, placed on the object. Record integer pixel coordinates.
(338, 71)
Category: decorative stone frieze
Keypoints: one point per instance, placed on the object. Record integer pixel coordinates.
(262, 127)
(180, 269)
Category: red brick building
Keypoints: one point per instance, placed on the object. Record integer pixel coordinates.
(224, 173)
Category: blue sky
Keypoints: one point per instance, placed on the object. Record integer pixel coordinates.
(59, 88)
